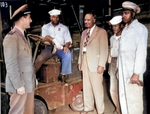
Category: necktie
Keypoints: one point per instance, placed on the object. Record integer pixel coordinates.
(87, 38)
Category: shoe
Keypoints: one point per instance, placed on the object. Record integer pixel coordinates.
(66, 77)
(115, 112)
(100, 113)
(86, 112)
(62, 78)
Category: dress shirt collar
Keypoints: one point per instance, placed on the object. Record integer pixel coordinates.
(91, 30)
(55, 26)
(22, 31)
(117, 37)
(132, 24)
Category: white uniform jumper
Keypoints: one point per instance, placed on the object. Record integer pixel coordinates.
(132, 59)
(114, 48)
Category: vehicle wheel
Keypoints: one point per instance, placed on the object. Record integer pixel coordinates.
(77, 104)
(39, 107)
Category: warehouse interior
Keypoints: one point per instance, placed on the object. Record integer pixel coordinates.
(72, 16)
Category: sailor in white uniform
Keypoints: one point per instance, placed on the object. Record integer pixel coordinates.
(117, 27)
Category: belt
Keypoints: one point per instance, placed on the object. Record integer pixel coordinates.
(114, 57)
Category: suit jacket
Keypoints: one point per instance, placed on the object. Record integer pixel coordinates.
(18, 59)
(96, 49)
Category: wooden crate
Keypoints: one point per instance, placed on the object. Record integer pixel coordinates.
(50, 71)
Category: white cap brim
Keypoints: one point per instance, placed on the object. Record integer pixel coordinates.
(116, 20)
(54, 12)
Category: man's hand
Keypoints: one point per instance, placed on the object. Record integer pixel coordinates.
(134, 79)
(79, 67)
(66, 50)
(21, 90)
(100, 69)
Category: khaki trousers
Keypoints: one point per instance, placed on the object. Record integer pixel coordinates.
(114, 91)
(92, 88)
(114, 84)
(21, 104)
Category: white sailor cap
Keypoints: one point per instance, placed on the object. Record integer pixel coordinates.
(116, 20)
(127, 5)
(21, 11)
(54, 12)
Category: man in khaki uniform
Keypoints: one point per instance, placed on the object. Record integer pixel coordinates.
(20, 81)
(92, 58)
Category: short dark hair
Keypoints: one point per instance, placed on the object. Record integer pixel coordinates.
(132, 11)
(124, 9)
(92, 13)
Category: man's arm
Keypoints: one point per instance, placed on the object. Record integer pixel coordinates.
(55, 41)
(109, 51)
(140, 56)
(68, 40)
(45, 34)
(45, 31)
(11, 59)
(103, 52)
(49, 39)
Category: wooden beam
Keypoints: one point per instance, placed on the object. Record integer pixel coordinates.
(1, 27)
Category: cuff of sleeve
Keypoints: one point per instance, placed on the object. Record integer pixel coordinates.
(56, 42)
(68, 41)
(16, 81)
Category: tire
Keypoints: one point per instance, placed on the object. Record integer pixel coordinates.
(39, 107)
(4, 103)
(77, 104)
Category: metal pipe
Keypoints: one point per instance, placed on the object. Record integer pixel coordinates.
(35, 52)
(10, 11)
(109, 8)
(80, 28)
(62, 17)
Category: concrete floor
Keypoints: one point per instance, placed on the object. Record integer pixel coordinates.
(109, 108)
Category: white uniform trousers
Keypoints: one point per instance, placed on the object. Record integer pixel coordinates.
(114, 83)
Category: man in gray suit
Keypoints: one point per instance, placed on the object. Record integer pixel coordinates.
(20, 81)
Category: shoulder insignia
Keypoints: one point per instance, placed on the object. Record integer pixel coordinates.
(12, 32)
